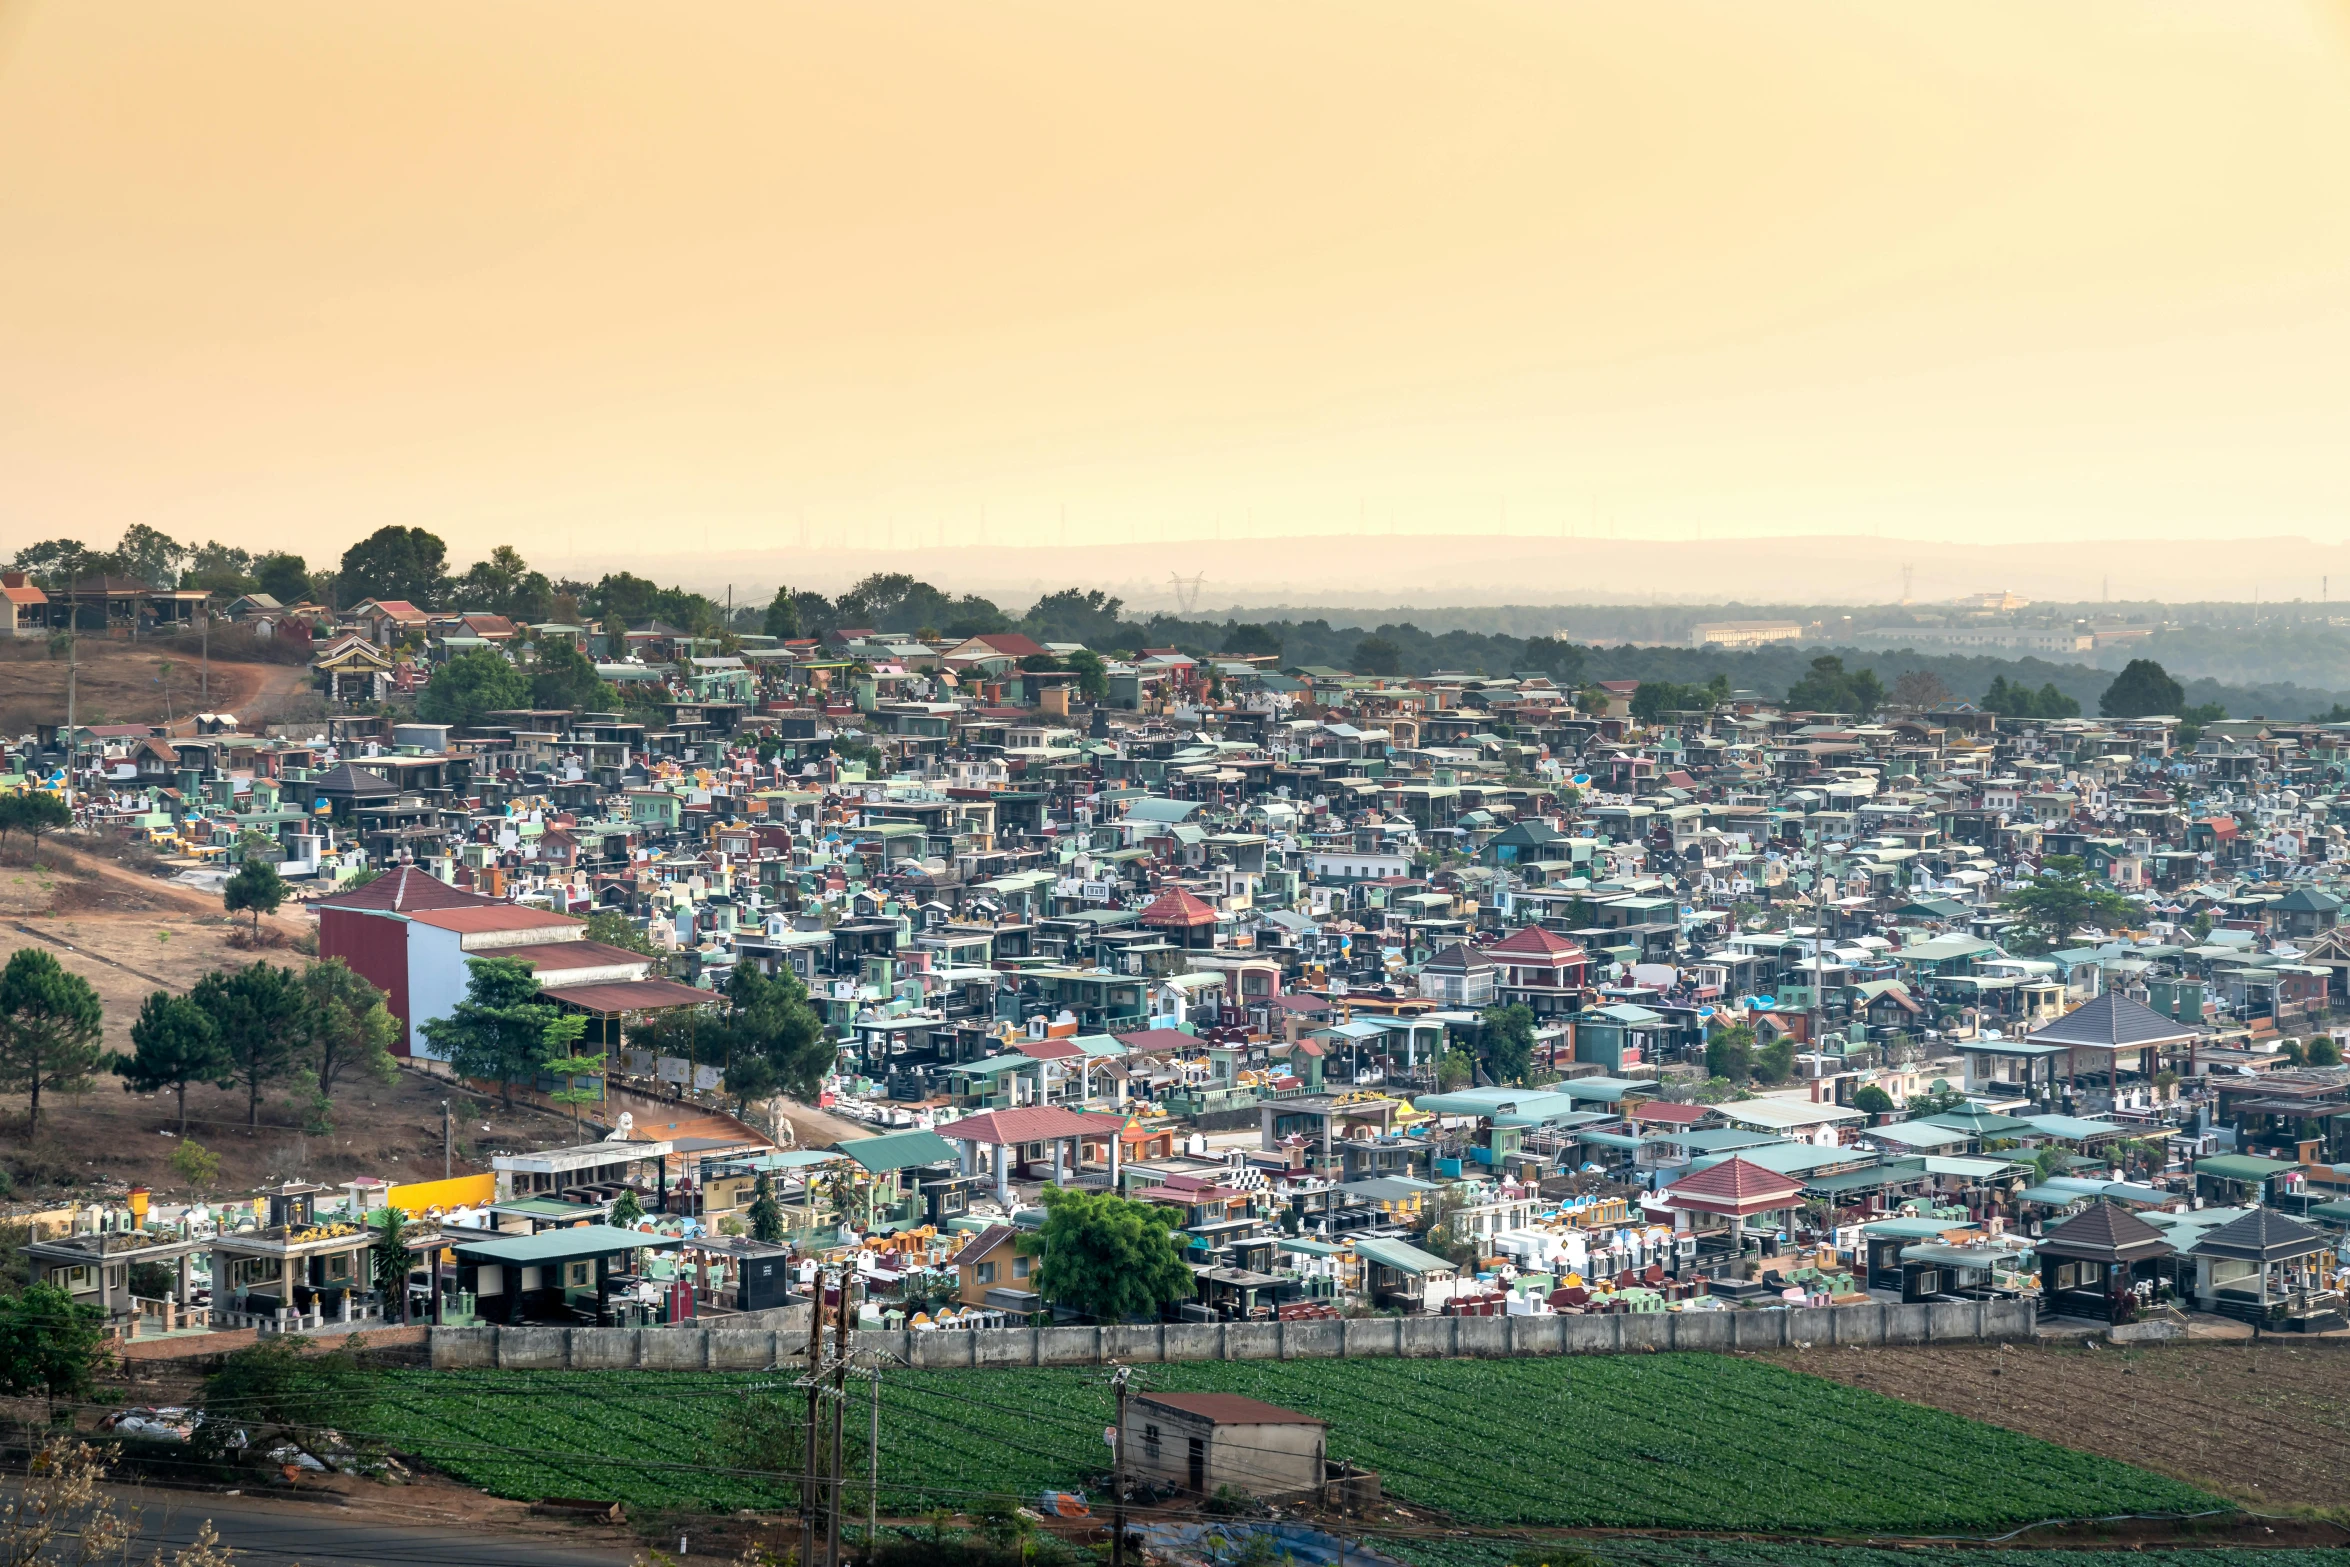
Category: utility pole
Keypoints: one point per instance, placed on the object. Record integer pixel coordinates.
(72, 670)
(815, 1383)
(1118, 1475)
(840, 1419)
(448, 1142)
(873, 1467)
(204, 621)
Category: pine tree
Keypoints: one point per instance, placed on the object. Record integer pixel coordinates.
(48, 1029)
(263, 1015)
(498, 1032)
(174, 1043)
(257, 887)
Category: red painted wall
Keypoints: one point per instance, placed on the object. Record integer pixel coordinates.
(376, 947)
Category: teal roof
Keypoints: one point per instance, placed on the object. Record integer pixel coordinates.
(1784, 1158)
(1908, 1229)
(993, 1066)
(1507, 1106)
(1919, 1134)
(1398, 1255)
(899, 1150)
(2073, 1128)
(2242, 1167)
(583, 1240)
(1891, 1173)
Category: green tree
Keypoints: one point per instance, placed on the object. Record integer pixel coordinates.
(262, 1014)
(1455, 1069)
(1089, 616)
(351, 1030)
(1774, 1060)
(505, 585)
(2060, 899)
(766, 1214)
(394, 563)
(1376, 655)
(1657, 697)
(1509, 1042)
(174, 1044)
(783, 616)
(256, 887)
(219, 569)
(626, 1209)
(566, 678)
(559, 1039)
(1729, 1053)
(498, 1032)
(392, 1260)
(49, 1019)
(197, 1165)
(1872, 1100)
(51, 1346)
(151, 556)
(1245, 639)
(1107, 1257)
(1556, 657)
(34, 812)
(615, 929)
(1093, 675)
(2021, 701)
(2323, 1051)
(283, 577)
(277, 1390)
(1442, 1232)
(472, 684)
(770, 1019)
(2143, 688)
(1829, 688)
(2192, 720)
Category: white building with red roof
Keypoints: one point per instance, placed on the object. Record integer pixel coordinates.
(411, 935)
(1539, 969)
(1719, 1199)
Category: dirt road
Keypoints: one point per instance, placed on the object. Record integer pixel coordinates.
(136, 682)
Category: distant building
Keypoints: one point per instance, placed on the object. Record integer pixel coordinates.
(2015, 639)
(1744, 633)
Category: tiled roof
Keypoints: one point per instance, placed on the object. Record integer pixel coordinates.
(493, 915)
(2263, 1235)
(1532, 941)
(2113, 1021)
(1029, 1124)
(343, 778)
(2105, 1232)
(404, 888)
(1179, 908)
(1663, 1112)
(1459, 958)
(1734, 1186)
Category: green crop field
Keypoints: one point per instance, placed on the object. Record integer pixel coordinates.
(1622, 1552)
(1654, 1441)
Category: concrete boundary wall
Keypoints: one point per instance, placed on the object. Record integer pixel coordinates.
(758, 1349)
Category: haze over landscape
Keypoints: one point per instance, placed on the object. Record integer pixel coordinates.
(870, 279)
(1068, 783)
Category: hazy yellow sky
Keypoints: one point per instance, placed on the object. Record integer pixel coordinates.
(595, 276)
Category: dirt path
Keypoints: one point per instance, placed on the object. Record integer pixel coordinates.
(73, 875)
(2264, 1425)
(137, 683)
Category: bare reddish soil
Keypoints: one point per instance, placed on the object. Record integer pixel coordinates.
(2262, 1424)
